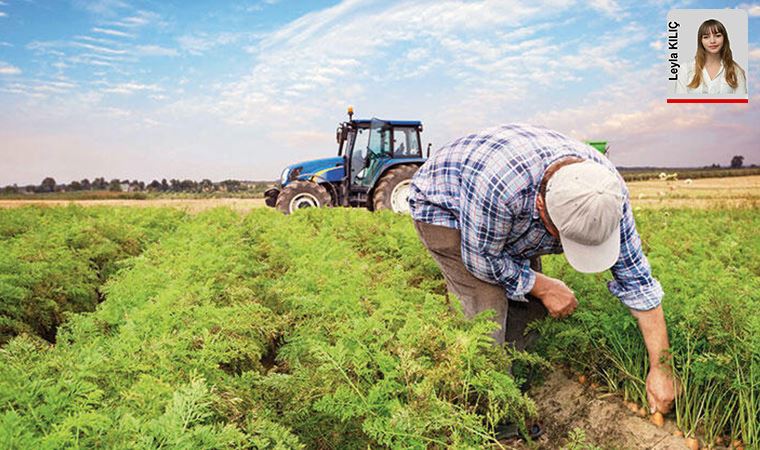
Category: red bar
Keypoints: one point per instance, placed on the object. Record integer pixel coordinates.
(708, 100)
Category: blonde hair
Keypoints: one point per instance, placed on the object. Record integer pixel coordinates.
(713, 26)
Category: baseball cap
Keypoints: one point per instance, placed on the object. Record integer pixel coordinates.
(585, 202)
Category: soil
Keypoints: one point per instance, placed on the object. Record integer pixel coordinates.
(564, 405)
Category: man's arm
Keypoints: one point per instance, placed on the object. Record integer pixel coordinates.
(635, 286)
(660, 382)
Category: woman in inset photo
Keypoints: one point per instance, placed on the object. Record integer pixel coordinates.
(714, 70)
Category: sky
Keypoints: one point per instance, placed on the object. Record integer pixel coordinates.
(149, 89)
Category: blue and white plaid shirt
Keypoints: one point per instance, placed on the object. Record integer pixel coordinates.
(486, 185)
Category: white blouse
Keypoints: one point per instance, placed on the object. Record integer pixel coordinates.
(718, 85)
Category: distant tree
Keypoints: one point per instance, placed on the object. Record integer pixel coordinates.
(74, 186)
(141, 185)
(737, 161)
(188, 186)
(85, 183)
(99, 184)
(206, 185)
(164, 185)
(30, 188)
(114, 185)
(174, 185)
(11, 189)
(230, 185)
(154, 186)
(47, 185)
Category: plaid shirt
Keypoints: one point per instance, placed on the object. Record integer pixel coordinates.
(486, 185)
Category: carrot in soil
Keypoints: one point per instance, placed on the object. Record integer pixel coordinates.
(692, 443)
(657, 419)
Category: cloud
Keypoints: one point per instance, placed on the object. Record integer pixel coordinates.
(99, 49)
(111, 32)
(754, 54)
(138, 20)
(130, 88)
(609, 7)
(155, 50)
(101, 7)
(2, 14)
(7, 69)
(753, 9)
(197, 44)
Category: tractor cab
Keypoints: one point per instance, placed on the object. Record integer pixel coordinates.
(374, 167)
(372, 147)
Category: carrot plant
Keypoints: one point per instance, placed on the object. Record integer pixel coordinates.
(707, 263)
(54, 260)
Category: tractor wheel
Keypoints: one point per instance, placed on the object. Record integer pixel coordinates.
(392, 191)
(302, 194)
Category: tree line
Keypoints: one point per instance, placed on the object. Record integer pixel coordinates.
(49, 185)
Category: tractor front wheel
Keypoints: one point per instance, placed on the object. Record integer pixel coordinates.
(302, 194)
(392, 191)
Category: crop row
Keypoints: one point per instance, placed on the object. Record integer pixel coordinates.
(264, 331)
(332, 329)
(54, 260)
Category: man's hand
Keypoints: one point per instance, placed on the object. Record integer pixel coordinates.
(661, 389)
(555, 295)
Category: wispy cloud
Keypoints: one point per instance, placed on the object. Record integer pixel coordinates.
(754, 54)
(140, 19)
(2, 14)
(99, 49)
(101, 7)
(199, 43)
(111, 32)
(155, 50)
(130, 88)
(7, 69)
(753, 9)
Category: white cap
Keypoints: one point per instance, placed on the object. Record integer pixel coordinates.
(585, 202)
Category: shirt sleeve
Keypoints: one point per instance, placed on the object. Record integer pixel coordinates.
(633, 283)
(485, 222)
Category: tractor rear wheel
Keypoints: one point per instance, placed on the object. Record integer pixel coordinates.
(392, 191)
(302, 194)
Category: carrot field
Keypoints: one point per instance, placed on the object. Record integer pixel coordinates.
(331, 328)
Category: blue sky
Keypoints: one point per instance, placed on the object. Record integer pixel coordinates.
(238, 89)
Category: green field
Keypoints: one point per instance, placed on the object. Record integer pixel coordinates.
(149, 328)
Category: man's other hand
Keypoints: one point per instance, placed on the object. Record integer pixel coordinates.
(555, 295)
(661, 389)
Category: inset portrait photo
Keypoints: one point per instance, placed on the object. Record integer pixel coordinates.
(708, 53)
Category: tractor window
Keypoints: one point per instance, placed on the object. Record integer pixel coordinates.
(380, 139)
(361, 144)
(405, 143)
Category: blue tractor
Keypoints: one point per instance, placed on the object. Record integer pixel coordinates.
(374, 168)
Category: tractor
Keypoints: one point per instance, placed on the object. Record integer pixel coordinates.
(374, 168)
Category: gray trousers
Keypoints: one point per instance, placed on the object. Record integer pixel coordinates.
(476, 295)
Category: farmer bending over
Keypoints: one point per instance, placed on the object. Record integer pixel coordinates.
(488, 205)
